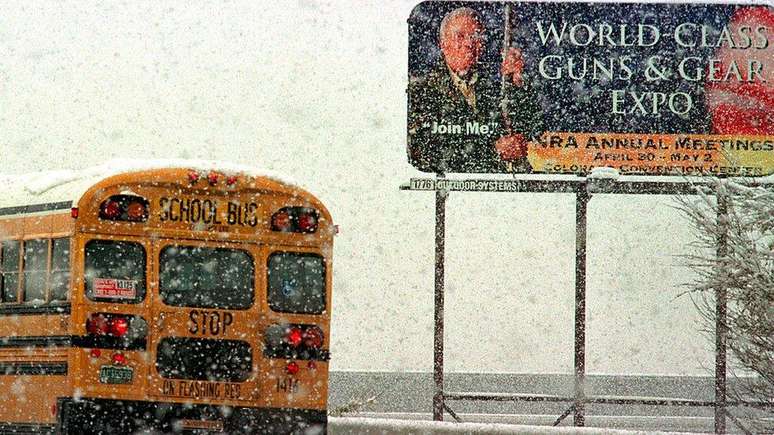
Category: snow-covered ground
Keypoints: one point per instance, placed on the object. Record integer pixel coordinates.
(380, 426)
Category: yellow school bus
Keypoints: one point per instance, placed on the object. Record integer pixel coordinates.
(167, 300)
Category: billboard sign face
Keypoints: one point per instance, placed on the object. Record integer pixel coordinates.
(648, 89)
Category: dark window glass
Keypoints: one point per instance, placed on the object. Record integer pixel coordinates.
(115, 271)
(35, 270)
(296, 283)
(9, 270)
(60, 269)
(204, 360)
(206, 277)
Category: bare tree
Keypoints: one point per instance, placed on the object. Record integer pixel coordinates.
(746, 272)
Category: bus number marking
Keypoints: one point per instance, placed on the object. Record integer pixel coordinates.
(287, 385)
(209, 322)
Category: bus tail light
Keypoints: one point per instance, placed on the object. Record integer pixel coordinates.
(129, 208)
(303, 342)
(118, 326)
(115, 325)
(295, 220)
(313, 337)
(113, 331)
(294, 336)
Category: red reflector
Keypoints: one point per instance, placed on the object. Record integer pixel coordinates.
(53, 410)
(119, 359)
(95, 353)
(74, 212)
(193, 177)
(118, 326)
(312, 365)
(111, 209)
(231, 180)
(313, 337)
(292, 368)
(212, 178)
(294, 336)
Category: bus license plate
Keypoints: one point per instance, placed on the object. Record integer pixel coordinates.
(210, 425)
(115, 375)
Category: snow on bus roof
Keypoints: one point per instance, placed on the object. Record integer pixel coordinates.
(71, 184)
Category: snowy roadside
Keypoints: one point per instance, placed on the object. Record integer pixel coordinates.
(381, 426)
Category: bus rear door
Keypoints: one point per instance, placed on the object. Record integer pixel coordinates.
(204, 345)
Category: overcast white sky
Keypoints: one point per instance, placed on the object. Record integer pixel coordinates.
(316, 90)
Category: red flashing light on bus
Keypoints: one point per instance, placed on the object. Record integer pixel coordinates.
(295, 220)
(281, 221)
(110, 209)
(128, 208)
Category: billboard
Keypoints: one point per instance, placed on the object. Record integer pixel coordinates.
(654, 89)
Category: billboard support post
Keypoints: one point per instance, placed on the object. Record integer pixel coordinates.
(581, 201)
(440, 234)
(582, 188)
(721, 328)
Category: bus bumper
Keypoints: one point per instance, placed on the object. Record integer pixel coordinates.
(103, 416)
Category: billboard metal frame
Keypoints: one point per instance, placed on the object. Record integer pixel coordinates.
(583, 188)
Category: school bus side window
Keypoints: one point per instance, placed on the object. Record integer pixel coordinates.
(35, 270)
(60, 269)
(9, 271)
(115, 271)
(296, 283)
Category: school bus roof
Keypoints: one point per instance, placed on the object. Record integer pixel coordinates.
(68, 186)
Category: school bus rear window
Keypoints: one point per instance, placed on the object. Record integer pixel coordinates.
(115, 271)
(204, 360)
(296, 283)
(206, 277)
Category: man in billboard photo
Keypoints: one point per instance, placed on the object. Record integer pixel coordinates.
(461, 119)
